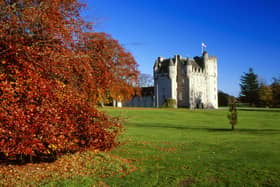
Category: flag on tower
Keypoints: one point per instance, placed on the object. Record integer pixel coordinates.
(203, 45)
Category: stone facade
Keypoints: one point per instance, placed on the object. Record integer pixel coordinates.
(191, 82)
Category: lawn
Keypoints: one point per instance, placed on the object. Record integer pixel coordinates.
(180, 147)
(196, 147)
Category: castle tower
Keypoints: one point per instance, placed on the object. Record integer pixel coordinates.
(210, 64)
(156, 69)
(173, 77)
(165, 80)
(188, 82)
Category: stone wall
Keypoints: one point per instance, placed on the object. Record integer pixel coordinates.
(162, 89)
(140, 101)
(198, 93)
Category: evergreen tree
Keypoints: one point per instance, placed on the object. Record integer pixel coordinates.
(249, 88)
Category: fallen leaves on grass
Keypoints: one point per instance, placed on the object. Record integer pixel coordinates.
(187, 182)
(96, 164)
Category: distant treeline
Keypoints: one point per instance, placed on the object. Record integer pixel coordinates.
(255, 92)
(223, 98)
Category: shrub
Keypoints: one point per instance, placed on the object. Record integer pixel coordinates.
(232, 115)
(169, 103)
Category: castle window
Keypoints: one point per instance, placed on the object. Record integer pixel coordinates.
(180, 96)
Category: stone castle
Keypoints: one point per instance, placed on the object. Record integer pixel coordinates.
(191, 82)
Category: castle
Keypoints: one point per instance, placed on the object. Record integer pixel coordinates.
(191, 82)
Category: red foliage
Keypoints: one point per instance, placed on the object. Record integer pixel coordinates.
(42, 116)
(110, 61)
(47, 87)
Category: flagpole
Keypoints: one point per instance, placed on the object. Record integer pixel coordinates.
(203, 46)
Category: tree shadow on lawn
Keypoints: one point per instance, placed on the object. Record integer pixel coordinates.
(246, 130)
(25, 159)
(259, 109)
(237, 130)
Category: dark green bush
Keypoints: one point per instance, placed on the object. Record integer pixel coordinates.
(232, 115)
(169, 103)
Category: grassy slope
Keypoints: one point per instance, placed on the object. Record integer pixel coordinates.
(172, 147)
(194, 147)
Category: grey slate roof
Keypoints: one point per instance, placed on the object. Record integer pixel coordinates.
(196, 62)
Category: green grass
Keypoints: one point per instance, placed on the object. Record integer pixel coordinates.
(197, 148)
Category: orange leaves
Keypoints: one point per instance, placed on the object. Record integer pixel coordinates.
(115, 70)
(40, 116)
(49, 81)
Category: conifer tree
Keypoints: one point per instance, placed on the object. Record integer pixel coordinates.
(249, 86)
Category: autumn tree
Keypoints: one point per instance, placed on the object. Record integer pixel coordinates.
(46, 82)
(113, 63)
(249, 86)
(275, 87)
(265, 95)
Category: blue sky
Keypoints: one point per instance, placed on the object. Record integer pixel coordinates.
(242, 34)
